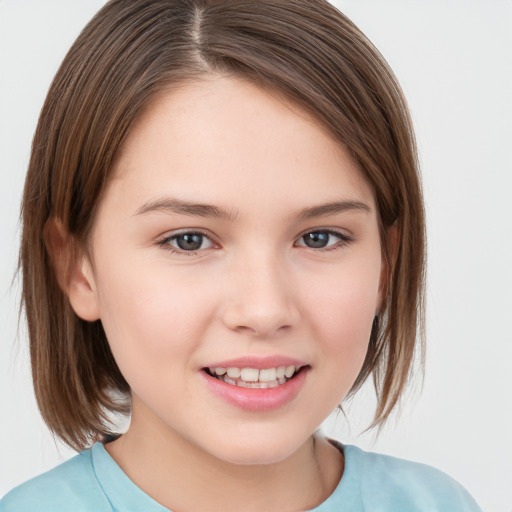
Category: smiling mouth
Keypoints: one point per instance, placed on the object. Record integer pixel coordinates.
(254, 378)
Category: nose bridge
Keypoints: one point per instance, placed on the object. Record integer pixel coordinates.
(261, 299)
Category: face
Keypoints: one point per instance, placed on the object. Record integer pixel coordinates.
(235, 264)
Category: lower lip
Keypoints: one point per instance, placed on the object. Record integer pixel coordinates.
(251, 399)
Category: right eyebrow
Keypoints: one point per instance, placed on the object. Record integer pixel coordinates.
(178, 206)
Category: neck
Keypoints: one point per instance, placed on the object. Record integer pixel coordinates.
(171, 470)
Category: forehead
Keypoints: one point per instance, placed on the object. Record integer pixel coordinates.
(223, 136)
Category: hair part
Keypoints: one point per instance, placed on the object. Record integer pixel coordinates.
(127, 55)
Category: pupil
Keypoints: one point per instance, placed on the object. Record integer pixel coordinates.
(316, 240)
(190, 242)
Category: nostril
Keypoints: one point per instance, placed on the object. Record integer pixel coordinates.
(258, 321)
(260, 299)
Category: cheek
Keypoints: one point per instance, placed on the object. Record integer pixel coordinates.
(342, 308)
(340, 305)
(151, 319)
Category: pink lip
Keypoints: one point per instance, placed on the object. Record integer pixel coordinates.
(256, 400)
(258, 363)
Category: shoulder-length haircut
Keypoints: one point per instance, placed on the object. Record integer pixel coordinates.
(130, 52)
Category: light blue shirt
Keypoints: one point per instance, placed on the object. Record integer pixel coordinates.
(93, 482)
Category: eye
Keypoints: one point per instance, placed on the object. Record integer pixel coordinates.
(186, 242)
(323, 239)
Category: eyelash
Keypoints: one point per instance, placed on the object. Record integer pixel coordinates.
(165, 242)
(344, 240)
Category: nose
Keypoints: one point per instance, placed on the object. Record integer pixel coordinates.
(260, 299)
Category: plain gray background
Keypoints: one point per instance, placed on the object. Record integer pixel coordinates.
(454, 61)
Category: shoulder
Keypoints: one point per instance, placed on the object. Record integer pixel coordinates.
(390, 483)
(69, 486)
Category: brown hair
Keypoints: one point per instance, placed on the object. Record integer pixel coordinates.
(129, 52)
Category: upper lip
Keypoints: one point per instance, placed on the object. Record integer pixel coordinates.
(258, 363)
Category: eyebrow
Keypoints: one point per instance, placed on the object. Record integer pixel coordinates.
(181, 207)
(171, 205)
(332, 208)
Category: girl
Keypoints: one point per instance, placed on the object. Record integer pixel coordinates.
(223, 235)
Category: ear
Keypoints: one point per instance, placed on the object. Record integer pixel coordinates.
(388, 264)
(73, 269)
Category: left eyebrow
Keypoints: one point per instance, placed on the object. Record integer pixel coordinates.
(332, 208)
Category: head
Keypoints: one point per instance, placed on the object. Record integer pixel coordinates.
(136, 55)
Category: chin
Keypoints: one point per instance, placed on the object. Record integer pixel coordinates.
(252, 450)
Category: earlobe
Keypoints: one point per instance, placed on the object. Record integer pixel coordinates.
(73, 270)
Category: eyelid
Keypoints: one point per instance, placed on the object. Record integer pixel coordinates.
(343, 237)
(164, 241)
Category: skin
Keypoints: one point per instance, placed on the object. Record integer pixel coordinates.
(254, 288)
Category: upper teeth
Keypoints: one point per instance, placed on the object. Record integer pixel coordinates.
(254, 375)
